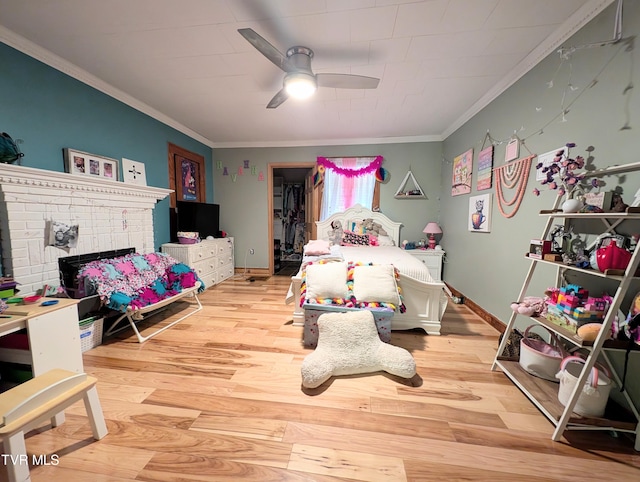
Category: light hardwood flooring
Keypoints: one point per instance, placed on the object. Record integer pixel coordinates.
(218, 397)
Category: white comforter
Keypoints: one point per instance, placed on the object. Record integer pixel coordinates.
(405, 263)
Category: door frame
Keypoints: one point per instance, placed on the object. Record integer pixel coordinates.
(270, 168)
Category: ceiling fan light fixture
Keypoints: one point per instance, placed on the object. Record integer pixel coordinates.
(300, 85)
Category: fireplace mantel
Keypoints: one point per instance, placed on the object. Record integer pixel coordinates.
(12, 174)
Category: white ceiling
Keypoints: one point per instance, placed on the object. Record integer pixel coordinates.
(183, 61)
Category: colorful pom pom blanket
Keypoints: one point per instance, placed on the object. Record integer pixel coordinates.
(136, 280)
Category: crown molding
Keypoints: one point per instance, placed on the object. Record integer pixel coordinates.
(29, 177)
(328, 142)
(47, 57)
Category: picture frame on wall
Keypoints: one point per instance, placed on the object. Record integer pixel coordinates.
(86, 164)
(462, 169)
(480, 214)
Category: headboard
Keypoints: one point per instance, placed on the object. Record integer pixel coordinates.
(359, 213)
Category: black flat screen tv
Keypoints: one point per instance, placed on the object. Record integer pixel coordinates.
(202, 218)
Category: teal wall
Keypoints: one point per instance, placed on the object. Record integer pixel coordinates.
(49, 111)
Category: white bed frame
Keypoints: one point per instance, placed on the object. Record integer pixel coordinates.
(426, 302)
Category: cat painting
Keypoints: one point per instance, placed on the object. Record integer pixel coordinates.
(479, 213)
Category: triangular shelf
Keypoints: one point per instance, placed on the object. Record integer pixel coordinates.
(415, 193)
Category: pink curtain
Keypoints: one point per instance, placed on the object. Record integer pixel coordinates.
(347, 181)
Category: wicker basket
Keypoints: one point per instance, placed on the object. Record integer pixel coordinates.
(90, 333)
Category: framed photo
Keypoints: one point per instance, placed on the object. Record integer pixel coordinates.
(85, 164)
(480, 213)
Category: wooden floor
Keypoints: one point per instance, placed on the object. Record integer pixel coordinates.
(218, 397)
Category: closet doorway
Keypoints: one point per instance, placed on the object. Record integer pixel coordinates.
(293, 212)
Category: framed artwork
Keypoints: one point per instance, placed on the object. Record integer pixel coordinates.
(189, 176)
(186, 175)
(85, 164)
(133, 172)
(480, 213)
(485, 169)
(462, 168)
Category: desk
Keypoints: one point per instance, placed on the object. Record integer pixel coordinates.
(54, 336)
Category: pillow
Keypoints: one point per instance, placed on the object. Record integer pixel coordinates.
(352, 239)
(375, 283)
(317, 247)
(326, 280)
(385, 241)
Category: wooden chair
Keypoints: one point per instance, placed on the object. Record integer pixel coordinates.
(29, 404)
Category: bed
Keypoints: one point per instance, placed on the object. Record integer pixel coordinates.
(425, 300)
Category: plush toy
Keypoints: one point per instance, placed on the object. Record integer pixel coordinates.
(530, 306)
(371, 227)
(335, 233)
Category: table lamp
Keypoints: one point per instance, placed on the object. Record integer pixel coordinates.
(432, 229)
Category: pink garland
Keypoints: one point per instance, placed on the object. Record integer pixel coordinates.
(372, 167)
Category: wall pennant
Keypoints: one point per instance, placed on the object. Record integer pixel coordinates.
(485, 168)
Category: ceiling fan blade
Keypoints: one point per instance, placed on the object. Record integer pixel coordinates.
(347, 81)
(264, 47)
(278, 99)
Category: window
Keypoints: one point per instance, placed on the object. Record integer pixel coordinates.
(348, 181)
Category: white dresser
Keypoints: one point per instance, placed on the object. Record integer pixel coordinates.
(432, 258)
(211, 259)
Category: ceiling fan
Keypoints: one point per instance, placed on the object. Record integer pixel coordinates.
(299, 80)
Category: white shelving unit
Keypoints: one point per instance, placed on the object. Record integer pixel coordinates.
(544, 394)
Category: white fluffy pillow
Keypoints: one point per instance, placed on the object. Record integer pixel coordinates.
(375, 283)
(385, 241)
(327, 280)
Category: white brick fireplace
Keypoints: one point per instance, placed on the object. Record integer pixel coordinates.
(110, 215)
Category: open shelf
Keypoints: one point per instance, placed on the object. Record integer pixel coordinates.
(544, 394)
(614, 274)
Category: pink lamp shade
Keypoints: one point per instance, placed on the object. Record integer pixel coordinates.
(432, 229)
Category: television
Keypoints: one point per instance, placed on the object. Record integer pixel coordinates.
(202, 218)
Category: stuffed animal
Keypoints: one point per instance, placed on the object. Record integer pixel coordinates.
(335, 233)
(371, 227)
(530, 306)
